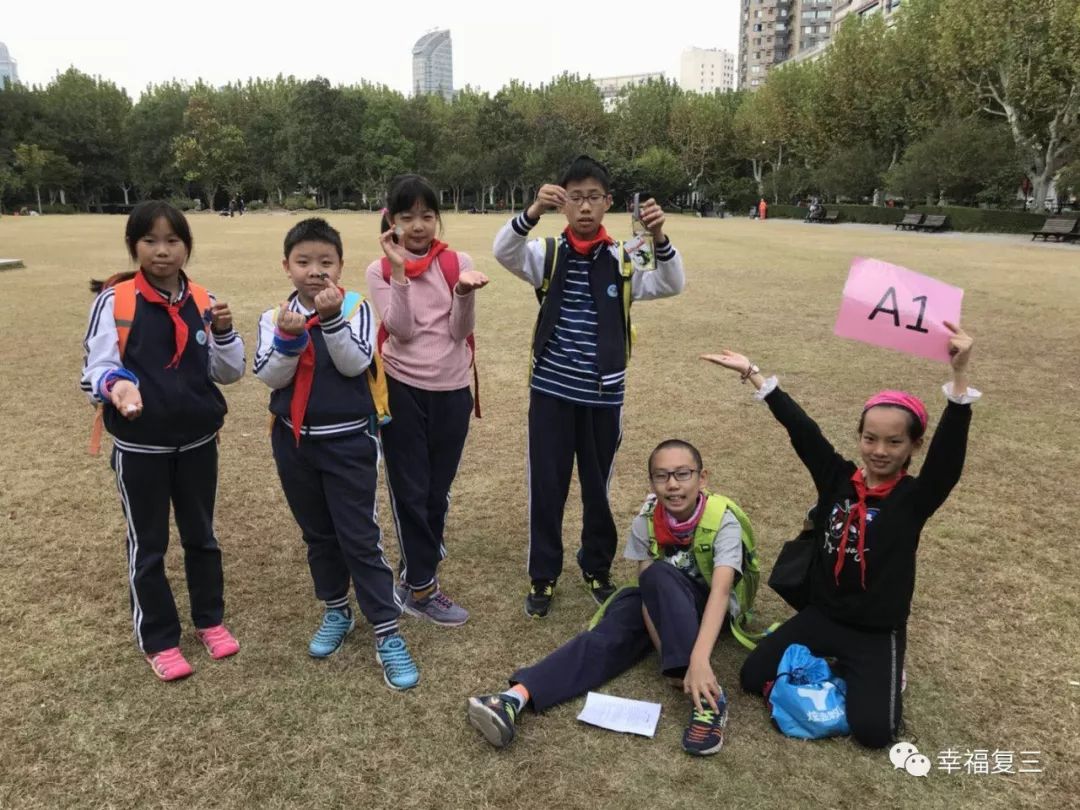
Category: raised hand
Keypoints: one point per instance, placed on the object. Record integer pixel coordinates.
(328, 302)
(394, 252)
(549, 198)
(470, 280)
(289, 322)
(652, 217)
(221, 318)
(960, 343)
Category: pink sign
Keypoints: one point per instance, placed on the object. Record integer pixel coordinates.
(891, 306)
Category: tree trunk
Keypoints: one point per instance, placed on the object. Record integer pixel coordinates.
(126, 189)
(37, 190)
(1040, 183)
(63, 198)
(758, 167)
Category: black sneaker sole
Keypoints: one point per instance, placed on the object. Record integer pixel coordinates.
(537, 615)
(489, 723)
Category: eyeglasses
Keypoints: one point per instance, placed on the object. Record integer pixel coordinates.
(661, 476)
(593, 199)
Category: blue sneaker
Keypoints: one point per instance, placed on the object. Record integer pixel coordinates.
(336, 625)
(399, 669)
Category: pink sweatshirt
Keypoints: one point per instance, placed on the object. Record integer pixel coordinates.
(428, 324)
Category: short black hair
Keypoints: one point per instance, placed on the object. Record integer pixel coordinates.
(406, 190)
(584, 167)
(313, 229)
(143, 216)
(668, 444)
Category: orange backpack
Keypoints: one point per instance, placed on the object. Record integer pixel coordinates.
(124, 316)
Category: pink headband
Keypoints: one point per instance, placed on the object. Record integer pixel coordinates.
(901, 399)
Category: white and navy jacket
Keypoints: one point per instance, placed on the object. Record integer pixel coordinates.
(579, 351)
(340, 401)
(182, 406)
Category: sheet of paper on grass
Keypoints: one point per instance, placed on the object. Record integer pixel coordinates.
(620, 714)
(891, 306)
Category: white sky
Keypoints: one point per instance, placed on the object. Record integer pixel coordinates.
(136, 43)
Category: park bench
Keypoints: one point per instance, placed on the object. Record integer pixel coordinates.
(934, 222)
(1061, 228)
(910, 221)
(831, 216)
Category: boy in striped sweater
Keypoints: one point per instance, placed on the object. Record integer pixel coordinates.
(581, 345)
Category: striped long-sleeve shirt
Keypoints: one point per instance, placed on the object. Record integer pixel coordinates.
(567, 366)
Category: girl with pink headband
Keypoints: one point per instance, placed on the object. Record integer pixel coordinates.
(866, 528)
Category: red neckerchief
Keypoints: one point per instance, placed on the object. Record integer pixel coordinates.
(664, 525)
(585, 246)
(305, 374)
(151, 295)
(416, 267)
(863, 492)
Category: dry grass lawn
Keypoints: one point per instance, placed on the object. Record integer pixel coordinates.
(993, 654)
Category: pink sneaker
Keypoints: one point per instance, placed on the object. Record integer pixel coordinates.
(219, 642)
(170, 665)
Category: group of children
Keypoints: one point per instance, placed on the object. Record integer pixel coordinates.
(345, 390)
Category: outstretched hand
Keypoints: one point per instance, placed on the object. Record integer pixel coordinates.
(729, 359)
(125, 397)
(470, 280)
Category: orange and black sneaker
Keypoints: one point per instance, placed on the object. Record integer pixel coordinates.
(705, 734)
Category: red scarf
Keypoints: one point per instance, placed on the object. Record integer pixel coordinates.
(416, 267)
(305, 374)
(151, 295)
(671, 532)
(585, 246)
(863, 492)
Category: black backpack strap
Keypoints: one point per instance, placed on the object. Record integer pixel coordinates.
(551, 247)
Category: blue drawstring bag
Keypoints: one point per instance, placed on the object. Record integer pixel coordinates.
(807, 700)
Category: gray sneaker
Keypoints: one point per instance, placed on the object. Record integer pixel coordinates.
(438, 607)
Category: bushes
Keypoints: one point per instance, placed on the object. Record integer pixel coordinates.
(58, 208)
(295, 202)
(183, 203)
(960, 219)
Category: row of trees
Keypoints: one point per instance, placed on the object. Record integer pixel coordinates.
(948, 105)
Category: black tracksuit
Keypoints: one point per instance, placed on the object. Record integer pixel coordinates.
(865, 629)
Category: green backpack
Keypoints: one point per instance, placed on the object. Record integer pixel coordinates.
(746, 583)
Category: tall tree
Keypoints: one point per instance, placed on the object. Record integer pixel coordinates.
(32, 162)
(208, 152)
(153, 124)
(1020, 60)
(89, 117)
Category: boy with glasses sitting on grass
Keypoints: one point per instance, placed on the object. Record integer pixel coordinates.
(689, 545)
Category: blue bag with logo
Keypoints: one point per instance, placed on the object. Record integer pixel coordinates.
(807, 700)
